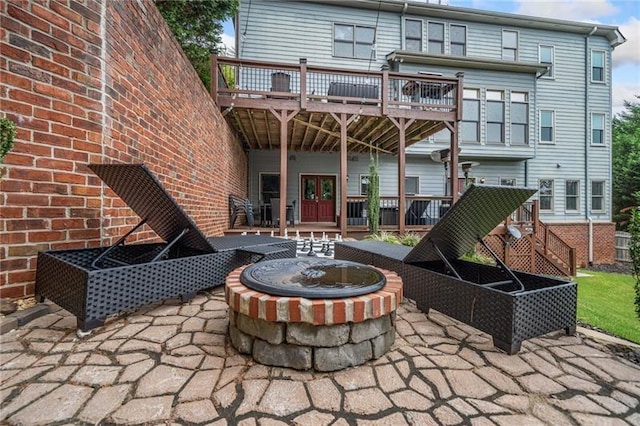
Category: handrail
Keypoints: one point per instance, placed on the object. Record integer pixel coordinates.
(556, 246)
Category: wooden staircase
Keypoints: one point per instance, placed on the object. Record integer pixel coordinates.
(539, 251)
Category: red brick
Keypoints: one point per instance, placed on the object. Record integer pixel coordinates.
(68, 154)
(10, 24)
(50, 66)
(57, 224)
(29, 97)
(69, 108)
(16, 159)
(86, 35)
(22, 277)
(15, 53)
(33, 148)
(49, 41)
(68, 62)
(64, 11)
(86, 190)
(49, 16)
(61, 129)
(11, 212)
(86, 146)
(13, 264)
(88, 213)
(44, 236)
(20, 199)
(87, 103)
(50, 188)
(69, 38)
(31, 175)
(45, 212)
(26, 224)
(87, 125)
(47, 114)
(66, 201)
(70, 178)
(16, 80)
(17, 107)
(12, 291)
(27, 18)
(13, 238)
(68, 85)
(47, 163)
(51, 139)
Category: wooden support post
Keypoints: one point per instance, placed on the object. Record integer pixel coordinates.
(303, 83)
(344, 121)
(402, 124)
(454, 161)
(284, 119)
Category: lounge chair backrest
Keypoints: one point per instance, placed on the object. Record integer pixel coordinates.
(480, 209)
(141, 190)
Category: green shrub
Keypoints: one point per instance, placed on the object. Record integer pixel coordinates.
(634, 252)
(410, 239)
(474, 256)
(387, 237)
(7, 133)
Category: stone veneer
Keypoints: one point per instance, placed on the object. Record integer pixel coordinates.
(300, 333)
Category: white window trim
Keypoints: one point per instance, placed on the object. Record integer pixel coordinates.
(504, 116)
(444, 38)
(553, 196)
(466, 39)
(517, 43)
(418, 188)
(553, 142)
(604, 129)
(603, 196)
(360, 176)
(604, 67)
(577, 197)
(333, 41)
(422, 37)
(479, 121)
(528, 132)
(515, 180)
(553, 60)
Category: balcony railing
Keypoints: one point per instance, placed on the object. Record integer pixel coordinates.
(419, 211)
(259, 84)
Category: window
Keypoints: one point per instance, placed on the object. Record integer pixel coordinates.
(597, 195)
(495, 116)
(547, 126)
(545, 194)
(436, 37)
(458, 40)
(413, 35)
(519, 118)
(364, 184)
(353, 41)
(571, 195)
(597, 129)
(509, 45)
(508, 181)
(269, 186)
(546, 55)
(411, 185)
(471, 115)
(597, 66)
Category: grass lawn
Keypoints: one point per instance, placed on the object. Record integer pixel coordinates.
(605, 301)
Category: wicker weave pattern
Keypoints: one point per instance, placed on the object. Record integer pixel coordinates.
(547, 304)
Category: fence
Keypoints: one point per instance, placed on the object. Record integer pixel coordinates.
(622, 246)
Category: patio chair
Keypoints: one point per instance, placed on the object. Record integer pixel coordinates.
(416, 210)
(97, 282)
(509, 305)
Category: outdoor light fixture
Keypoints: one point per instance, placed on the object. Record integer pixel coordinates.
(466, 168)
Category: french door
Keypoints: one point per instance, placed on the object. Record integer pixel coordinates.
(318, 198)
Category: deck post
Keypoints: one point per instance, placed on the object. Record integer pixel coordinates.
(453, 169)
(303, 83)
(284, 117)
(402, 124)
(344, 121)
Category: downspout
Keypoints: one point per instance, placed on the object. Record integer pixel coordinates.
(404, 10)
(586, 141)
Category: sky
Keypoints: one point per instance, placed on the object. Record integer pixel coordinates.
(622, 13)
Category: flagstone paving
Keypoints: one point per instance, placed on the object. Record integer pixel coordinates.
(172, 363)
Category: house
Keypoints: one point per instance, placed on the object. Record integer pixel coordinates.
(536, 110)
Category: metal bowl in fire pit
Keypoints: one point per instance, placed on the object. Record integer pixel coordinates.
(312, 278)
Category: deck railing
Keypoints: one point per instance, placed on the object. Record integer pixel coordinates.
(334, 89)
(419, 212)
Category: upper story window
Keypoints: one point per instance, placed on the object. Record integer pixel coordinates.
(545, 194)
(411, 185)
(597, 66)
(597, 195)
(509, 45)
(353, 41)
(547, 126)
(571, 195)
(519, 118)
(546, 56)
(458, 40)
(495, 116)
(597, 129)
(471, 115)
(413, 35)
(436, 37)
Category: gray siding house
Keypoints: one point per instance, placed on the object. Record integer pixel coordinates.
(536, 98)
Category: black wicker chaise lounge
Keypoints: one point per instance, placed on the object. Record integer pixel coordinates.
(511, 306)
(97, 282)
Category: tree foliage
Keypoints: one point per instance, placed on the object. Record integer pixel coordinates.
(626, 162)
(197, 25)
(634, 252)
(373, 196)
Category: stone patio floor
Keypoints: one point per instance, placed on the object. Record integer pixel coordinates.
(172, 363)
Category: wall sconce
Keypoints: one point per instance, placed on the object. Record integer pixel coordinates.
(558, 165)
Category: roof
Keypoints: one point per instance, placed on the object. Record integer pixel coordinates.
(611, 33)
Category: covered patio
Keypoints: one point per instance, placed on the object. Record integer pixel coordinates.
(305, 108)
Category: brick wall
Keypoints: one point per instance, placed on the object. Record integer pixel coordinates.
(101, 81)
(577, 235)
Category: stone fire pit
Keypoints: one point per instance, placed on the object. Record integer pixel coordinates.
(326, 334)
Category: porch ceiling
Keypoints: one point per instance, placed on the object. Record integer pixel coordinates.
(320, 132)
